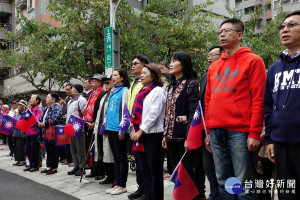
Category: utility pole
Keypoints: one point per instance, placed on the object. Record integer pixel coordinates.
(112, 40)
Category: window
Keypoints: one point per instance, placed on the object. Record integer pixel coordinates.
(239, 12)
(249, 9)
(295, 1)
(30, 4)
(259, 24)
(276, 4)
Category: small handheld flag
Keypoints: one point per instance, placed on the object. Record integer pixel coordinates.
(26, 121)
(8, 124)
(194, 138)
(61, 138)
(74, 126)
(126, 120)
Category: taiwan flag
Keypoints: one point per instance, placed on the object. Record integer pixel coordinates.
(194, 138)
(61, 138)
(74, 126)
(126, 120)
(184, 188)
(26, 121)
(8, 124)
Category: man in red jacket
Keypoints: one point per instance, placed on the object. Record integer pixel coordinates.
(234, 112)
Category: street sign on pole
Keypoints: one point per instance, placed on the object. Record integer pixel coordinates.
(109, 50)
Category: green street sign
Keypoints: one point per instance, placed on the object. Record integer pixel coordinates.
(109, 54)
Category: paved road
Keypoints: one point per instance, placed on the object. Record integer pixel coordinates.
(15, 187)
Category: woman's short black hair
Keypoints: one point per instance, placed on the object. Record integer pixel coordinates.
(186, 63)
(123, 73)
(55, 96)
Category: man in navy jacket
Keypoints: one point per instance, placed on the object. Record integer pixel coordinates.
(282, 110)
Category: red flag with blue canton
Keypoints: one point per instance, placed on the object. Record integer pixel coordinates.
(74, 126)
(26, 120)
(126, 120)
(194, 138)
(8, 124)
(92, 155)
(61, 138)
(184, 188)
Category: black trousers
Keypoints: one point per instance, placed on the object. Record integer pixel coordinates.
(52, 154)
(287, 163)
(175, 152)
(118, 148)
(33, 148)
(19, 149)
(151, 163)
(110, 171)
(196, 169)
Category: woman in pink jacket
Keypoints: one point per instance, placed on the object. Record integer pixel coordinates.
(33, 146)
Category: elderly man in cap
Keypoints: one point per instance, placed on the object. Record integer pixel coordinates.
(19, 136)
(76, 107)
(90, 115)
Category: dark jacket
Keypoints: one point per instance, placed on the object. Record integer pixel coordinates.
(54, 114)
(185, 105)
(281, 102)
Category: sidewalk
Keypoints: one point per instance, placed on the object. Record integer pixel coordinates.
(88, 189)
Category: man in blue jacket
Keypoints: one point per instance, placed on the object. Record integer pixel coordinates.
(282, 110)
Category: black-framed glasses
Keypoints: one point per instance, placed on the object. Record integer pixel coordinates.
(135, 63)
(289, 25)
(106, 82)
(226, 30)
(213, 54)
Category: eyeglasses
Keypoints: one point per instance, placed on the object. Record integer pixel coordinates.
(227, 30)
(135, 63)
(106, 82)
(289, 25)
(213, 54)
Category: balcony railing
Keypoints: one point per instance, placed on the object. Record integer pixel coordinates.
(21, 4)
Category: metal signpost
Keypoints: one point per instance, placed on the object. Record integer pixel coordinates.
(112, 40)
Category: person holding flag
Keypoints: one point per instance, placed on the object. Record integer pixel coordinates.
(32, 134)
(118, 97)
(182, 99)
(13, 113)
(147, 116)
(102, 149)
(18, 137)
(90, 115)
(51, 116)
(76, 107)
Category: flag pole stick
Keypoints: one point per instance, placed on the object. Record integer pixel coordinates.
(202, 118)
(87, 156)
(171, 177)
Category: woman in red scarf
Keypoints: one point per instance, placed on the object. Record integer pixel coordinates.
(148, 125)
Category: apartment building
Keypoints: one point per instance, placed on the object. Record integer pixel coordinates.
(32, 9)
(6, 22)
(287, 6)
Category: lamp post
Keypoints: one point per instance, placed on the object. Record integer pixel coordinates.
(112, 40)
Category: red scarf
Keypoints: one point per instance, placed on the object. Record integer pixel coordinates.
(137, 109)
(89, 110)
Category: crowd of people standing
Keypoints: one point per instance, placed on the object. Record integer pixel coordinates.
(238, 98)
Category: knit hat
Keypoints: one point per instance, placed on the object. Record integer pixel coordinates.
(78, 87)
(22, 103)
